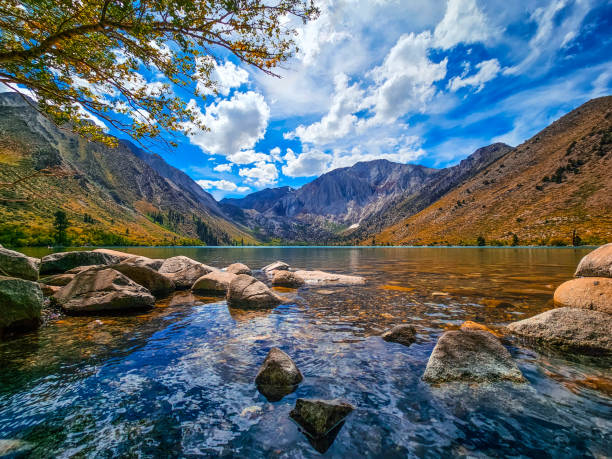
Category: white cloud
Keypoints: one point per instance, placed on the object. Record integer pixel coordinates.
(235, 124)
(225, 77)
(248, 157)
(263, 174)
(224, 185)
(307, 164)
(487, 70)
(463, 22)
(275, 154)
(223, 167)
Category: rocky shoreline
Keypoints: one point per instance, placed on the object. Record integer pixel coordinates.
(103, 281)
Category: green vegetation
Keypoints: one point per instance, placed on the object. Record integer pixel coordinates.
(61, 224)
(480, 241)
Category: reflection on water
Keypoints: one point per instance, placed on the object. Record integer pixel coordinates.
(179, 381)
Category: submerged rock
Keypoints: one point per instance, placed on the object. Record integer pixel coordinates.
(278, 375)
(105, 290)
(598, 263)
(158, 284)
(403, 334)
(573, 329)
(184, 271)
(586, 293)
(152, 263)
(16, 264)
(58, 280)
(21, 304)
(322, 278)
(287, 279)
(276, 266)
(319, 417)
(63, 261)
(14, 448)
(216, 282)
(247, 292)
(239, 268)
(472, 356)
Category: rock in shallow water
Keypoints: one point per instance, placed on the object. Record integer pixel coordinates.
(158, 284)
(21, 304)
(319, 417)
(238, 268)
(216, 282)
(322, 278)
(472, 356)
(276, 266)
(247, 292)
(184, 271)
(16, 264)
(63, 261)
(598, 263)
(573, 329)
(104, 290)
(403, 334)
(278, 375)
(287, 279)
(586, 293)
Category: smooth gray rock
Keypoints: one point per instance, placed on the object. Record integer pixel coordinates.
(115, 253)
(216, 282)
(158, 284)
(287, 279)
(63, 261)
(184, 271)
(322, 278)
(152, 263)
(598, 263)
(21, 303)
(247, 292)
(238, 268)
(472, 356)
(572, 329)
(58, 280)
(403, 334)
(104, 290)
(319, 417)
(16, 264)
(277, 265)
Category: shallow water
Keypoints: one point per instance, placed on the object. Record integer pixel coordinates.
(178, 381)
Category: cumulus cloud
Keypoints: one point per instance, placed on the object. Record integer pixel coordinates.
(263, 174)
(225, 77)
(463, 22)
(224, 185)
(248, 157)
(235, 124)
(487, 70)
(306, 164)
(275, 154)
(223, 167)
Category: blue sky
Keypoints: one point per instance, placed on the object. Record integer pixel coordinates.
(413, 82)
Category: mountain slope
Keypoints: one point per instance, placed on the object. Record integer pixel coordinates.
(319, 210)
(557, 182)
(110, 194)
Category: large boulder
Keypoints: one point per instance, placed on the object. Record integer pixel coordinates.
(104, 290)
(80, 269)
(21, 303)
(598, 263)
(184, 271)
(322, 278)
(16, 264)
(63, 261)
(319, 417)
(586, 293)
(573, 329)
(247, 292)
(278, 376)
(115, 253)
(276, 266)
(216, 282)
(58, 280)
(238, 268)
(403, 334)
(158, 284)
(472, 356)
(287, 279)
(152, 263)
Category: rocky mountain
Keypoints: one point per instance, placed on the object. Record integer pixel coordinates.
(550, 190)
(118, 195)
